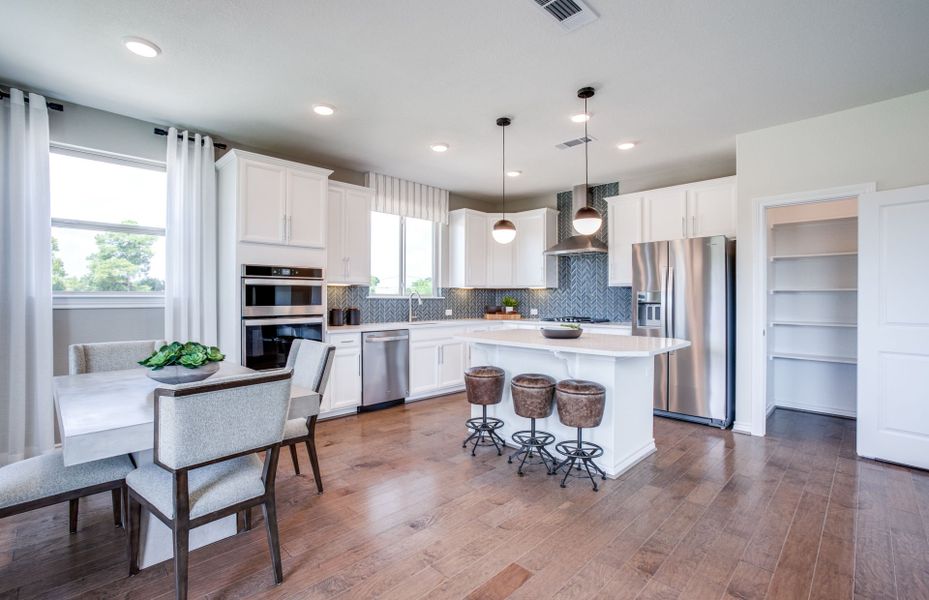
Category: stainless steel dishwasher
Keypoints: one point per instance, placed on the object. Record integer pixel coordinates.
(385, 368)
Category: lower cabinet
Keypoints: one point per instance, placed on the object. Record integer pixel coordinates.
(437, 361)
(343, 392)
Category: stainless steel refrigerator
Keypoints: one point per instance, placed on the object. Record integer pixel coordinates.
(686, 289)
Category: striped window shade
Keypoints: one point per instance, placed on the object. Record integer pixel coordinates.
(408, 199)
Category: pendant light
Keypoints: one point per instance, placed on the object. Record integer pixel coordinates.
(504, 231)
(586, 220)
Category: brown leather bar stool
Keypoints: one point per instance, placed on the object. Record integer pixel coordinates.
(484, 386)
(580, 404)
(532, 398)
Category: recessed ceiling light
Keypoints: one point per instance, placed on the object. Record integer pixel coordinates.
(626, 146)
(141, 47)
(513, 173)
(324, 109)
(580, 117)
(440, 147)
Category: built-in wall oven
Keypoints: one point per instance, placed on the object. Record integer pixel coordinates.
(279, 305)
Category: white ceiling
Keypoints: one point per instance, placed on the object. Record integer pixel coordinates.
(683, 77)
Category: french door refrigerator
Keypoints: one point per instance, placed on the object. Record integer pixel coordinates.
(685, 289)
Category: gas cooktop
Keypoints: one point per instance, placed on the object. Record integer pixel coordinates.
(575, 319)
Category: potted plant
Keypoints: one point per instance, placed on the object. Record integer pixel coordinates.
(183, 363)
(509, 303)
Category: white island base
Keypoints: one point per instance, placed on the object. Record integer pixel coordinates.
(624, 365)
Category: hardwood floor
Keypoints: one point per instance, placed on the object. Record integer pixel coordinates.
(408, 514)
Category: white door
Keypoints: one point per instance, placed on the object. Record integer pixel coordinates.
(356, 236)
(346, 371)
(262, 203)
(711, 209)
(529, 262)
(499, 258)
(451, 364)
(475, 263)
(306, 209)
(424, 367)
(893, 326)
(665, 214)
(624, 228)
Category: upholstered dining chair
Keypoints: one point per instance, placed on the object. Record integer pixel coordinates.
(311, 362)
(106, 356)
(44, 480)
(109, 356)
(207, 436)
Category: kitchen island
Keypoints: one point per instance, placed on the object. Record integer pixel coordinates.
(624, 365)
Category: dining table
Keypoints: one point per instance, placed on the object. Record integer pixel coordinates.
(111, 413)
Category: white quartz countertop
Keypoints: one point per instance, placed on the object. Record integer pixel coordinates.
(458, 323)
(601, 344)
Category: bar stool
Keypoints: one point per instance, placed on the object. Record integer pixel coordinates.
(532, 398)
(580, 404)
(484, 386)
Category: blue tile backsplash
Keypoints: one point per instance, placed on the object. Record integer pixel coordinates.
(582, 290)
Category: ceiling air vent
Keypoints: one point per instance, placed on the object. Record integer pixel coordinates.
(570, 14)
(575, 142)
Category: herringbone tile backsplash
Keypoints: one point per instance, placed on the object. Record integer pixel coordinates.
(582, 290)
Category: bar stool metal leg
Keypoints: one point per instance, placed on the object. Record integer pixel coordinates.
(579, 451)
(484, 433)
(532, 444)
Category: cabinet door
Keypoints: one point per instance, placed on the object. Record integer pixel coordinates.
(451, 364)
(665, 212)
(529, 263)
(424, 367)
(335, 252)
(499, 257)
(624, 228)
(262, 203)
(356, 236)
(306, 209)
(711, 209)
(476, 234)
(346, 374)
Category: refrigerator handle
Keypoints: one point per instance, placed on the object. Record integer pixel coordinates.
(669, 304)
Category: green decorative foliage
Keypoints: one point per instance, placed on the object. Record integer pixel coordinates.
(570, 325)
(509, 301)
(190, 355)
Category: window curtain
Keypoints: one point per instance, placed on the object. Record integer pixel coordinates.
(190, 286)
(408, 199)
(26, 405)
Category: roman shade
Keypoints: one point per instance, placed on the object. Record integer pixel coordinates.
(396, 196)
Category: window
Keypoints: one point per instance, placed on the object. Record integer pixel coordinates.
(108, 225)
(403, 256)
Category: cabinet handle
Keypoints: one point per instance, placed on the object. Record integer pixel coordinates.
(693, 226)
(290, 228)
(284, 228)
(441, 355)
(683, 227)
(359, 365)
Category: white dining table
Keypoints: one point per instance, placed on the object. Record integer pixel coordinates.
(111, 413)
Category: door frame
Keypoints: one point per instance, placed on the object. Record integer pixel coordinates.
(759, 349)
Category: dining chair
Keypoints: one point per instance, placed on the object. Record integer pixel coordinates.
(311, 362)
(45, 480)
(106, 356)
(207, 436)
(109, 356)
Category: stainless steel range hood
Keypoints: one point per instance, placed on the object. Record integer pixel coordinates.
(578, 244)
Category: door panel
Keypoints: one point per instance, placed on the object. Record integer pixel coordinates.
(451, 368)
(664, 214)
(529, 262)
(262, 203)
(346, 371)
(499, 259)
(357, 236)
(306, 209)
(424, 367)
(624, 227)
(649, 278)
(475, 264)
(893, 327)
(712, 210)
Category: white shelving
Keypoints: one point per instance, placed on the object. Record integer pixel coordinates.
(812, 307)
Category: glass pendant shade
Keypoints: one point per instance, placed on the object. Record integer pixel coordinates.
(504, 231)
(587, 220)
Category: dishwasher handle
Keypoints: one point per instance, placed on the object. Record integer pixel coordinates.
(384, 339)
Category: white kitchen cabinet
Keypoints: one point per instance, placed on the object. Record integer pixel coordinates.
(477, 260)
(306, 208)
(451, 363)
(349, 245)
(262, 202)
(343, 392)
(424, 367)
(437, 361)
(711, 208)
(624, 228)
(665, 213)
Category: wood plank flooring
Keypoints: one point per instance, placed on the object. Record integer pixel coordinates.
(408, 514)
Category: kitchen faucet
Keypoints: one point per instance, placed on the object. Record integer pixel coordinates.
(419, 299)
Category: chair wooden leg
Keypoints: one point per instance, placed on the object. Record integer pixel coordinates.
(134, 519)
(274, 542)
(181, 556)
(72, 515)
(293, 457)
(314, 462)
(117, 507)
(248, 519)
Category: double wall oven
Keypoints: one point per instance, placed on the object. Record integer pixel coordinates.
(279, 305)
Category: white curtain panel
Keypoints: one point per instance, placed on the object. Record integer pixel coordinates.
(190, 289)
(397, 196)
(26, 404)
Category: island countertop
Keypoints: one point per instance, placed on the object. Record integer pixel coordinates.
(600, 344)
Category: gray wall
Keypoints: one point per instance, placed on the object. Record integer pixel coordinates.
(84, 325)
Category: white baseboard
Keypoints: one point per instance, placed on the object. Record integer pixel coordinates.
(742, 427)
(631, 460)
(770, 410)
(332, 414)
(435, 393)
(817, 408)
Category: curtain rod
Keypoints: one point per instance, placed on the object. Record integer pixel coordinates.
(51, 105)
(164, 132)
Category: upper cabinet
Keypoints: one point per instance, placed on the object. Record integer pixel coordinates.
(277, 201)
(698, 209)
(477, 260)
(349, 247)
